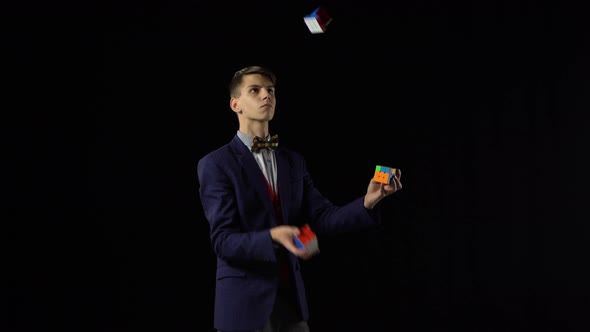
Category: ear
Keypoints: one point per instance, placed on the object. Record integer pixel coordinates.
(233, 103)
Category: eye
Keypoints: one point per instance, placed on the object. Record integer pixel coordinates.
(255, 90)
(271, 91)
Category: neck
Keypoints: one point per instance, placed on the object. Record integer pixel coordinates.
(259, 129)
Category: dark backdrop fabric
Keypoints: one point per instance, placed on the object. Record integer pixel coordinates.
(108, 107)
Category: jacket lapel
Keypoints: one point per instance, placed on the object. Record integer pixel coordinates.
(283, 178)
(252, 172)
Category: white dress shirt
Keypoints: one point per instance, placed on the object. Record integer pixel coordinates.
(266, 160)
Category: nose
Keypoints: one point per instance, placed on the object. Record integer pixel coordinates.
(267, 94)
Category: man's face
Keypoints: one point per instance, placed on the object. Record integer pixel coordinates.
(257, 98)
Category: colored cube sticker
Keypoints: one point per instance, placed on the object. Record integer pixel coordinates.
(307, 239)
(385, 174)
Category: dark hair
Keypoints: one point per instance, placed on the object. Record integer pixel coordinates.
(236, 81)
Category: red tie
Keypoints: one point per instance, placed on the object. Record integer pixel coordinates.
(284, 270)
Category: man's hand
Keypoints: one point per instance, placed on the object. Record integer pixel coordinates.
(377, 190)
(285, 235)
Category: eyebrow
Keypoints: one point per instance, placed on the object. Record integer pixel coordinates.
(259, 86)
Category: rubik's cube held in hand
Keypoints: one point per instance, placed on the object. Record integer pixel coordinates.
(307, 239)
(385, 174)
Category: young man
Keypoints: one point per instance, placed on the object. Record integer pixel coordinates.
(256, 194)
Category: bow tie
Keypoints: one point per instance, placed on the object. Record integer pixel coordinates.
(260, 143)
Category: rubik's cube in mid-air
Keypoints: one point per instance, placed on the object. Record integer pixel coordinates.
(385, 174)
(307, 239)
(318, 20)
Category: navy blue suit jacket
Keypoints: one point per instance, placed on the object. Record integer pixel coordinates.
(237, 204)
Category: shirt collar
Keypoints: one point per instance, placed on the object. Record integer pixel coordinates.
(247, 139)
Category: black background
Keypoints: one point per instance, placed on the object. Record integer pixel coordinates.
(482, 105)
